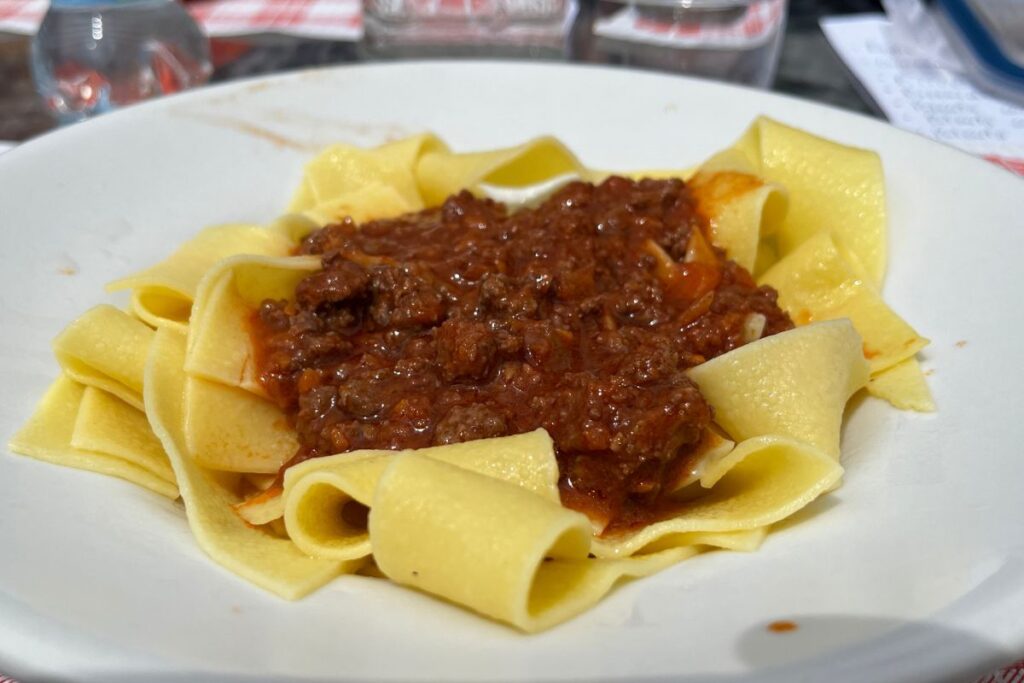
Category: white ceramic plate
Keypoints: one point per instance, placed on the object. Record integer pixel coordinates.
(912, 571)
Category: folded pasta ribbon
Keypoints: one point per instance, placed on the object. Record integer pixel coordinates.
(442, 173)
(826, 255)
(272, 563)
(429, 521)
(229, 424)
(345, 181)
(793, 384)
(106, 348)
(512, 555)
(820, 281)
(743, 211)
(91, 417)
(219, 344)
(85, 428)
(348, 174)
(490, 545)
(325, 498)
(763, 480)
(162, 295)
(831, 186)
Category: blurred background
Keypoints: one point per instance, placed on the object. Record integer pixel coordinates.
(807, 66)
(952, 70)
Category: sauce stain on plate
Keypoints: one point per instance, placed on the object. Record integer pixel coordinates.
(252, 129)
(783, 626)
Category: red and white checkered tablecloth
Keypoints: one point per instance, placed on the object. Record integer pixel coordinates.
(1011, 674)
(1010, 164)
(21, 16)
(335, 19)
(330, 19)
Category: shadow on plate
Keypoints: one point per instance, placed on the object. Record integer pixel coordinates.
(867, 648)
(834, 648)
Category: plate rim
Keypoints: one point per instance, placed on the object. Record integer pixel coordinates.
(115, 118)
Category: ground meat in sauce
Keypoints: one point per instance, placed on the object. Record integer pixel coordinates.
(467, 321)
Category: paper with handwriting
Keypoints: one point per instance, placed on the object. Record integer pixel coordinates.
(918, 96)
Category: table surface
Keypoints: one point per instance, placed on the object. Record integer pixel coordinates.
(808, 67)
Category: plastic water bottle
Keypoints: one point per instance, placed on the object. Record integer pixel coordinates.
(91, 56)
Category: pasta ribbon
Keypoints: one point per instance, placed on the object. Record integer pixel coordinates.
(442, 173)
(264, 508)
(219, 346)
(162, 295)
(344, 171)
(229, 424)
(272, 563)
(818, 281)
(831, 187)
(49, 434)
(764, 479)
(904, 386)
(106, 348)
(106, 424)
(373, 202)
(233, 430)
(324, 495)
(552, 576)
(793, 384)
(742, 209)
(345, 181)
(492, 546)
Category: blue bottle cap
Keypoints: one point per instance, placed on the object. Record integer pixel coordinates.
(988, 35)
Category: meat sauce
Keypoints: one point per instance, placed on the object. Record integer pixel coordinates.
(469, 321)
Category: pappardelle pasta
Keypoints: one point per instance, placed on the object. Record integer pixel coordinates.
(511, 408)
